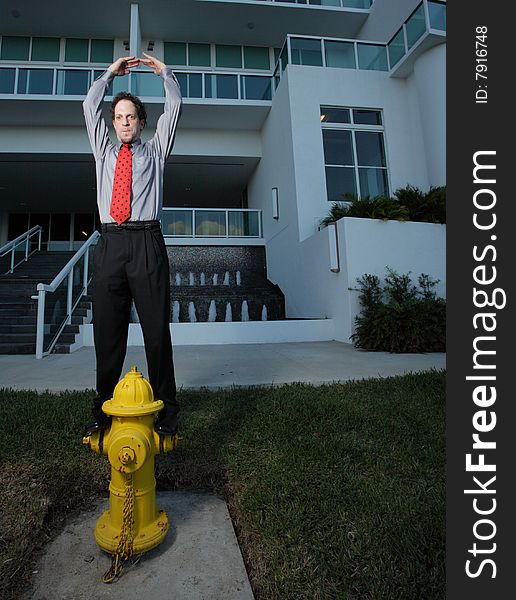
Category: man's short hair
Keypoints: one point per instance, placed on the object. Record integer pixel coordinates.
(140, 107)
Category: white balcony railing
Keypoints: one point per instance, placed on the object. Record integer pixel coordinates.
(73, 83)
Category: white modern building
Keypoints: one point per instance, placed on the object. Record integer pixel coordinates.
(287, 105)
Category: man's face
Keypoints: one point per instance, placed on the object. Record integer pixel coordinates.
(126, 123)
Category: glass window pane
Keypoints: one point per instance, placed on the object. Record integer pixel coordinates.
(45, 49)
(190, 84)
(243, 224)
(256, 88)
(370, 151)
(221, 86)
(340, 54)
(177, 222)
(367, 117)
(256, 58)
(15, 48)
(338, 148)
(76, 50)
(199, 55)
(372, 57)
(211, 223)
(396, 48)
(101, 51)
(73, 82)
(229, 56)
(306, 52)
(35, 81)
(340, 181)
(437, 14)
(276, 54)
(146, 84)
(334, 115)
(175, 53)
(7, 77)
(357, 3)
(416, 26)
(373, 182)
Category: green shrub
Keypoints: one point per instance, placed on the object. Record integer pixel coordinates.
(379, 207)
(429, 207)
(400, 317)
(408, 204)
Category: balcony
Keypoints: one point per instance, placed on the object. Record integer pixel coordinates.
(331, 52)
(424, 28)
(72, 83)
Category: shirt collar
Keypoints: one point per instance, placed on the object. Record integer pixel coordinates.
(133, 144)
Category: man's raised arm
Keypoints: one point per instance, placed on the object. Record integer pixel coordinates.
(163, 139)
(92, 105)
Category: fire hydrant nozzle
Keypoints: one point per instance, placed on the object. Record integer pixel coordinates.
(133, 523)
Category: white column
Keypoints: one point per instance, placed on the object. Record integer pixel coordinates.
(135, 39)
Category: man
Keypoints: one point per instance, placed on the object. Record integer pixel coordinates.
(131, 261)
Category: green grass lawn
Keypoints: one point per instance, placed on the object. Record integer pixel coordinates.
(336, 491)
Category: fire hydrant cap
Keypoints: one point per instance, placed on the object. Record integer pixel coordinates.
(133, 397)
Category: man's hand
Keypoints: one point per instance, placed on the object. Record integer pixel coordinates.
(123, 65)
(152, 62)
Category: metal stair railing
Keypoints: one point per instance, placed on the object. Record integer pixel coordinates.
(24, 238)
(65, 292)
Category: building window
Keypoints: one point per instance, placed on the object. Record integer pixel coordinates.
(256, 58)
(354, 153)
(175, 53)
(229, 57)
(101, 51)
(45, 49)
(15, 48)
(77, 50)
(199, 55)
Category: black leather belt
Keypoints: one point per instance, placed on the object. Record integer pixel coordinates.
(130, 225)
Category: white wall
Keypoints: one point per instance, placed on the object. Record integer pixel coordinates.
(276, 169)
(430, 84)
(365, 246)
(385, 19)
(311, 87)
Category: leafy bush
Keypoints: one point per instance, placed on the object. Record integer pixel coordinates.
(400, 317)
(429, 207)
(408, 204)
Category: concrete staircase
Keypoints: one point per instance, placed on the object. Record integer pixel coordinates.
(18, 311)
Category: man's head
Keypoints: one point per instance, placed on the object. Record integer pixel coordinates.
(129, 117)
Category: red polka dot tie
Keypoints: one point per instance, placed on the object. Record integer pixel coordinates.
(121, 198)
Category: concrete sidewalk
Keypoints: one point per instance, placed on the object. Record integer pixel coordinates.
(199, 558)
(227, 365)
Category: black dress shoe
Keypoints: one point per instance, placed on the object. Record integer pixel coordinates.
(166, 424)
(97, 425)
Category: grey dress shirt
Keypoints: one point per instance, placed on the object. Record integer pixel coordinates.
(148, 157)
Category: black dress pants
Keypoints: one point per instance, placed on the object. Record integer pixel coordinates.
(131, 262)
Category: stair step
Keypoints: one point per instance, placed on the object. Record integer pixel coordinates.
(19, 338)
(4, 328)
(17, 348)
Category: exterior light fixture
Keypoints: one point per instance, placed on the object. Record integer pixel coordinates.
(275, 203)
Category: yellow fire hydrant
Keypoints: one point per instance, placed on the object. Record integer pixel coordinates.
(133, 524)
